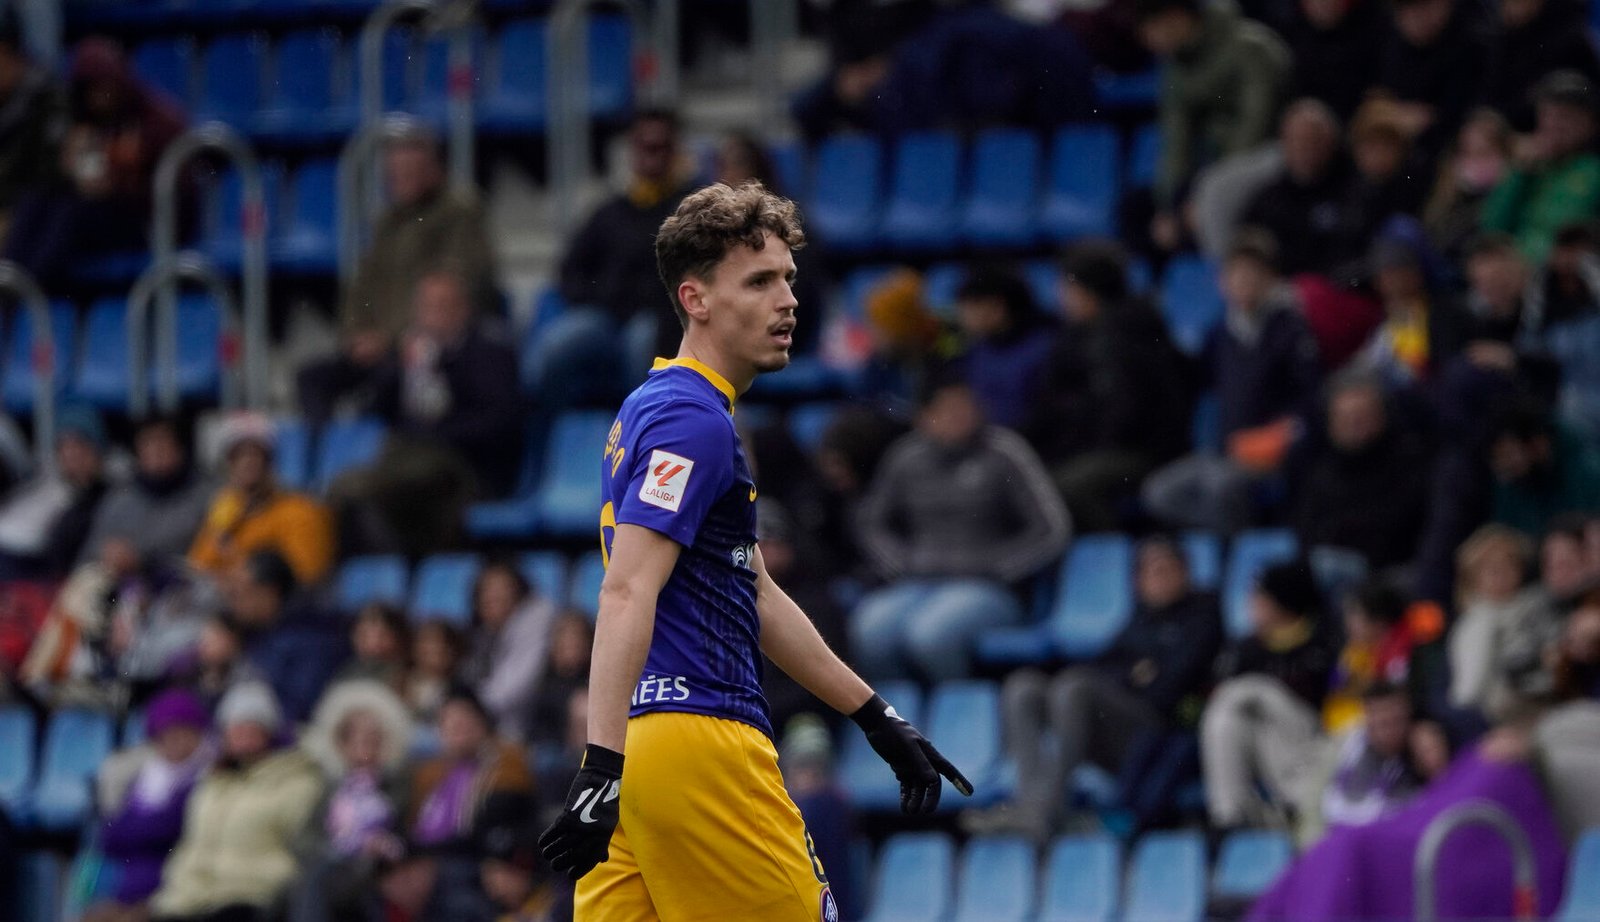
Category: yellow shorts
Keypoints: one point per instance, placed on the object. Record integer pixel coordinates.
(707, 832)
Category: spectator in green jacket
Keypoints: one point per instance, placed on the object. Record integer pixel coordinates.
(1558, 180)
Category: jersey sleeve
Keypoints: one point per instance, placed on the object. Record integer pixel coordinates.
(682, 464)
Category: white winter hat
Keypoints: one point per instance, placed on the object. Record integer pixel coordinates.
(250, 702)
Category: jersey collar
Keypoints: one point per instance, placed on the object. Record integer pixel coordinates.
(704, 370)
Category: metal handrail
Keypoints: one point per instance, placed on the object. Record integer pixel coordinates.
(1525, 895)
(165, 274)
(455, 17)
(218, 138)
(15, 280)
(357, 208)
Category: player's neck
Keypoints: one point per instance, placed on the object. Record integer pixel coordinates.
(738, 374)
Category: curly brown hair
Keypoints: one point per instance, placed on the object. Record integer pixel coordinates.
(714, 220)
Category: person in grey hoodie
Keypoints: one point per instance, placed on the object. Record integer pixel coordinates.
(161, 507)
(959, 513)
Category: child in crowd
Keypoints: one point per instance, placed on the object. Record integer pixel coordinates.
(379, 638)
(435, 657)
(1377, 649)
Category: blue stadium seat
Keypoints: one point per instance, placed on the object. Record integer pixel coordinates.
(546, 572)
(132, 730)
(610, 67)
(232, 69)
(1580, 902)
(346, 444)
(1191, 301)
(1167, 878)
(913, 880)
(17, 731)
(846, 190)
(1206, 426)
(1143, 156)
(75, 743)
(1096, 597)
(997, 882)
(442, 589)
(21, 362)
(396, 70)
(199, 347)
(809, 422)
(940, 282)
(222, 234)
(1204, 552)
(167, 63)
(789, 165)
(306, 239)
(583, 593)
(569, 498)
(1083, 876)
(862, 773)
(965, 717)
(40, 885)
(514, 516)
(1128, 91)
(516, 95)
(1000, 209)
(921, 211)
(292, 459)
(1248, 863)
(379, 578)
(1080, 198)
(300, 104)
(433, 94)
(102, 377)
(1251, 553)
(1044, 278)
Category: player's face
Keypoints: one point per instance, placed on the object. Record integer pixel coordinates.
(750, 306)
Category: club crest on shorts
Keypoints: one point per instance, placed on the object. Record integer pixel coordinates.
(830, 908)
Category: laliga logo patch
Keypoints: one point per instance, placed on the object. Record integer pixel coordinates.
(665, 480)
(830, 909)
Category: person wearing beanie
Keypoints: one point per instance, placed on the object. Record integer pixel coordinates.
(44, 521)
(253, 513)
(1260, 728)
(162, 505)
(237, 856)
(143, 792)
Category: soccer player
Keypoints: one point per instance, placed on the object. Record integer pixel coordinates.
(695, 823)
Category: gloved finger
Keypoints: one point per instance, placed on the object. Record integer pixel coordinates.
(942, 766)
(911, 799)
(930, 803)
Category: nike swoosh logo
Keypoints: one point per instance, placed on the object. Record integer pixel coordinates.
(587, 813)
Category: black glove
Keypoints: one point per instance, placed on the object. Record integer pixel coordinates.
(580, 838)
(917, 765)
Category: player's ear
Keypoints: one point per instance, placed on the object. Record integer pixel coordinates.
(691, 294)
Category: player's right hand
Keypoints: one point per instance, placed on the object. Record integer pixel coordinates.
(917, 765)
(580, 838)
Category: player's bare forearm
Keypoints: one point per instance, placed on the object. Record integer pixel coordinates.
(791, 641)
(641, 560)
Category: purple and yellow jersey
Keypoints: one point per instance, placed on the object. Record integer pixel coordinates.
(674, 464)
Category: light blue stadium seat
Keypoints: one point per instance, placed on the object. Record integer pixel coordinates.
(515, 99)
(1144, 154)
(292, 458)
(167, 63)
(1191, 301)
(808, 423)
(789, 163)
(1249, 861)
(1083, 876)
(610, 67)
(913, 878)
(1096, 596)
(569, 498)
(102, 375)
(998, 881)
(1080, 197)
(442, 588)
(346, 444)
(23, 362)
(964, 716)
(1167, 878)
(17, 729)
(872, 787)
(583, 592)
(377, 578)
(1203, 550)
(1252, 552)
(846, 190)
(1580, 902)
(924, 192)
(300, 105)
(75, 743)
(40, 885)
(306, 237)
(1000, 209)
(546, 572)
(232, 69)
(199, 347)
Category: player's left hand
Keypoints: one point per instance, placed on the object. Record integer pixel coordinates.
(917, 765)
(580, 838)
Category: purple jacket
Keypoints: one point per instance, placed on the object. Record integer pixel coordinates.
(138, 838)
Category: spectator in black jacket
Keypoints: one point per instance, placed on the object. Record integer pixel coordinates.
(1535, 38)
(297, 646)
(1150, 679)
(1432, 64)
(453, 403)
(1114, 398)
(1365, 490)
(1261, 724)
(1332, 42)
(1301, 207)
(1262, 362)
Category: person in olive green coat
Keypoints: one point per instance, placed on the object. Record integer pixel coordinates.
(1557, 181)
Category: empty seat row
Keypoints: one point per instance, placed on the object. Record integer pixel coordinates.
(441, 586)
(298, 88)
(51, 790)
